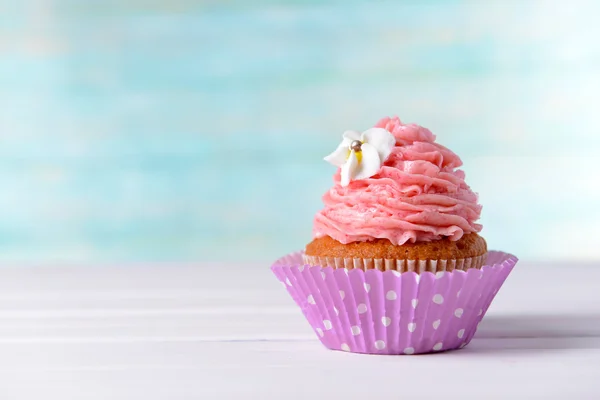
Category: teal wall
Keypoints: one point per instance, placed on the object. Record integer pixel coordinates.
(186, 130)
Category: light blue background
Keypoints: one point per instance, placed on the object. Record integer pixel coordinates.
(181, 130)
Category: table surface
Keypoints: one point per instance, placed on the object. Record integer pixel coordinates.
(192, 332)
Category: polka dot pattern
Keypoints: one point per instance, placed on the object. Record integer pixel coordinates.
(386, 312)
(438, 299)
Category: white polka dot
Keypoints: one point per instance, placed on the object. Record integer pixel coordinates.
(438, 299)
(391, 295)
(320, 331)
(417, 278)
(346, 271)
(414, 303)
(439, 274)
(380, 345)
(409, 351)
(345, 347)
(362, 308)
(412, 326)
(355, 330)
(458, 294)
(323, 275)
(327, 324)
(301, 268)
(336, 311)
(310, 299)
(463, 344)
(367, 287)
(480, 312)
(287, 280)
(386, 321)
(436, 323)
(458, 312)
(342, 294)
(461, 333)
(438, 346)
(396, 273)
(284, 285)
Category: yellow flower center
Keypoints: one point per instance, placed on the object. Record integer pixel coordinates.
(356, 145)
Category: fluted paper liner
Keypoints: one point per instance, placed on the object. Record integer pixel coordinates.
(396, 265)
(389, 312)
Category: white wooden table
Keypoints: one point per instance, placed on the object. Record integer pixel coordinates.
(191, 332)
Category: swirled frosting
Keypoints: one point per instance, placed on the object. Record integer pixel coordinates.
(417, 195)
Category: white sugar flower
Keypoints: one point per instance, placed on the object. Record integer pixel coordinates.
(360, 156)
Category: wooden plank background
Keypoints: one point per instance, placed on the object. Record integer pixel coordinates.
(195, 130)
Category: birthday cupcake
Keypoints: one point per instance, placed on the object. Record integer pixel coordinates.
(396, 264)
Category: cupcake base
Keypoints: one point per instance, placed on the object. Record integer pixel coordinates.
(468, 246)
(388, 312)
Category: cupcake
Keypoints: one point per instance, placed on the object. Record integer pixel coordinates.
(400, 200)
(396, 264)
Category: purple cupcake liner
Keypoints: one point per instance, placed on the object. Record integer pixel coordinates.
(388, 312)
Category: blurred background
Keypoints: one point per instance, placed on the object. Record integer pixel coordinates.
(180, 130)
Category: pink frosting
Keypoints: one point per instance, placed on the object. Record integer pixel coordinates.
(417, 195)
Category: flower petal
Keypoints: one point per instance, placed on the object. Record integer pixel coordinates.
(370, 163)
(382, 140)
(349, 169)
(350, 136)
(340, 155)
